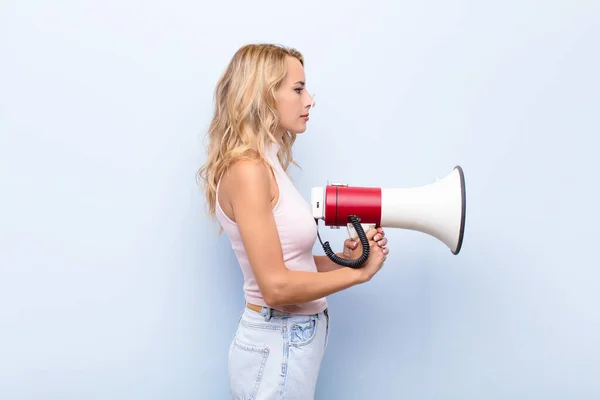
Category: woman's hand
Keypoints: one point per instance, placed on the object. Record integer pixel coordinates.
(377, 254)
(353, 248)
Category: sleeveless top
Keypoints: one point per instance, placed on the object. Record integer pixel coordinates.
(297, 232)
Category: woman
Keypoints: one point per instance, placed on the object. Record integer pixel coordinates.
(261, 105)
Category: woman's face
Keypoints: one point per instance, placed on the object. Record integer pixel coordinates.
(293, 101)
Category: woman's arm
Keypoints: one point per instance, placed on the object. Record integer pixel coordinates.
(249, 195)
(324, 264)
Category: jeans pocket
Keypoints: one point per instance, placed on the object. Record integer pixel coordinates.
(302, 332)
(246, 366)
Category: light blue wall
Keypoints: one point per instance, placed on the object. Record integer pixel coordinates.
(113, 284)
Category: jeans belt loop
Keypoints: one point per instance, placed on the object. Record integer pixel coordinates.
(269, 313)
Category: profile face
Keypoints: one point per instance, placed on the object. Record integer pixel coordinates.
(293, 101)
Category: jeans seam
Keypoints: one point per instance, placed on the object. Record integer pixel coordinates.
(284, 360)
(260, 326)
(326, 313)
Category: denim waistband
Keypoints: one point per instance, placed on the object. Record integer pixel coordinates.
(269, 312)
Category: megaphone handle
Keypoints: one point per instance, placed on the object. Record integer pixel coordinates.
(357, 263)
(352, 232)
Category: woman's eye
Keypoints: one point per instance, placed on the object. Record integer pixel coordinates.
(298, 90)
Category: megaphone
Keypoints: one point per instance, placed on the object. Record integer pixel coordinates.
(437, 209)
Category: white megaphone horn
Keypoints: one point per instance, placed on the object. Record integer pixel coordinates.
(437, 209)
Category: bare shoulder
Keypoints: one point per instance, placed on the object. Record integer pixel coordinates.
(246, 171)
(245, 186)
(246, 177)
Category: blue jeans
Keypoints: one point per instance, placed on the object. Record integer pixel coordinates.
(276, 355)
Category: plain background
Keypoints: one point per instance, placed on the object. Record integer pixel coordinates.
(114, 284)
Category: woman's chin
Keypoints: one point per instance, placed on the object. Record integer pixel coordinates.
(300, 129)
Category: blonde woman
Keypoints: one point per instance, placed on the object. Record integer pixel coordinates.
(261, 105)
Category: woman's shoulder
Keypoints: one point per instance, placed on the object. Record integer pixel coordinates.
(247, 171)
(246, 189)
(245, 178)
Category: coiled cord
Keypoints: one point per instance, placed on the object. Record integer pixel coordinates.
(357, 263)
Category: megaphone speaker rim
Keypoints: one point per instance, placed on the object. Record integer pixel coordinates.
(463, 194)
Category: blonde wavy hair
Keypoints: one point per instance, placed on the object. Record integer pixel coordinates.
(245, 116)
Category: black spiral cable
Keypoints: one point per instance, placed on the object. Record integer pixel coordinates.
(363, 239)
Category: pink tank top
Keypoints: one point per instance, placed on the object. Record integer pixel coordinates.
(297, 232)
